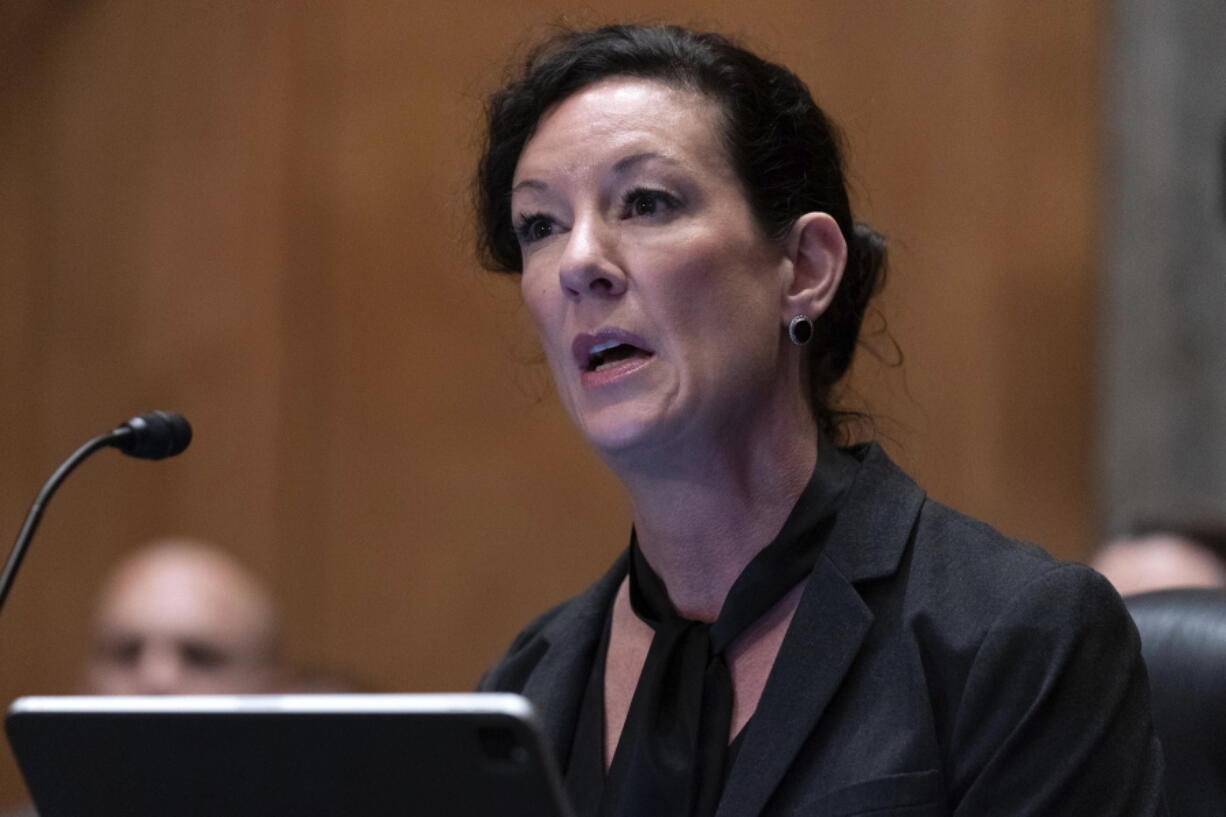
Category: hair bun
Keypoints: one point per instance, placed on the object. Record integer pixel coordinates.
(869, 250)
(866, 264)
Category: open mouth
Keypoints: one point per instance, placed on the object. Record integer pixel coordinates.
(609, 354)
(609, 350)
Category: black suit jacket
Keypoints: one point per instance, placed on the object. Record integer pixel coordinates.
(932, 667)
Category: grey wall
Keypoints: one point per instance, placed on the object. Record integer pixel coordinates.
(1163, 449)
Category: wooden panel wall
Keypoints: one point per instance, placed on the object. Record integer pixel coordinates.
(256, 214)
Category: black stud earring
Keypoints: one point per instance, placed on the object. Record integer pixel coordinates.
(800, 330)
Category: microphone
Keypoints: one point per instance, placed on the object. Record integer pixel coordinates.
(152, 436)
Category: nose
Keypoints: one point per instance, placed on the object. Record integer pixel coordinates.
(590, 266)
(160, 672)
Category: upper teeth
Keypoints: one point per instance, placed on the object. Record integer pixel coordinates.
(602, 347)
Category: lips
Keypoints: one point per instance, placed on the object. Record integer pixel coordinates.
(609, 351)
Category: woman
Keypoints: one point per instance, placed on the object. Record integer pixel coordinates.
(795, 628)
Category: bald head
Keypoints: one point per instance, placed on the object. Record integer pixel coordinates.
(1158, 561)
(181, 617)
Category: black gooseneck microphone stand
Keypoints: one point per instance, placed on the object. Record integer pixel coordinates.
(152, 436)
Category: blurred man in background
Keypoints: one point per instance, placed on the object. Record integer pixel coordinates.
(182, 617)
(1161, 556)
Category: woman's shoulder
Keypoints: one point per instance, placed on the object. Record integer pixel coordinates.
(1028, 658)
(958, 577)
(979, 601)
(578, 619)
(972, 564)
(893, 528)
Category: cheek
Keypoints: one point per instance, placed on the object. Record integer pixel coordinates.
(532, 291)
(724, 318)
(546, 310)
(717, 293)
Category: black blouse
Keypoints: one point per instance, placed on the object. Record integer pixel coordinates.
(773, 572)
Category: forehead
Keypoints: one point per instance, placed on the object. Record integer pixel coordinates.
(617, 117)
(176, 595)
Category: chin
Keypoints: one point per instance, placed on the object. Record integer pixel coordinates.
(623, 423)
(621, 437)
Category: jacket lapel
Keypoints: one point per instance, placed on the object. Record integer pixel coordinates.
(827, 630)
(556, 678)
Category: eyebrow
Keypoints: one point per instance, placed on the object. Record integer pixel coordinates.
(623, 165)
(529, 184)
(620, 167)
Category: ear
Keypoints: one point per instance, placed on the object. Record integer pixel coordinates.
(818, 253)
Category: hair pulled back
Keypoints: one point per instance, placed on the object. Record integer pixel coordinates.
(785, 151)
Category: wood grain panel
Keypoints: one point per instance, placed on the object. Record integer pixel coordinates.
(257, 214)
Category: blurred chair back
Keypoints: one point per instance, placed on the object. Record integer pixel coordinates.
(1183, 639)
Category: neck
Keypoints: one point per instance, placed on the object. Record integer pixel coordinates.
(703, 518)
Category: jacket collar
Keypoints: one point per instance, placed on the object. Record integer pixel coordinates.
(876, 519)
(869, 538)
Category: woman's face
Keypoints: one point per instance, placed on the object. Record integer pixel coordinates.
(657, 297)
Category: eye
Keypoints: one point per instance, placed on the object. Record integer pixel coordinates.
(641, 202)
(530, 227)
(202, 657)
(123, 652)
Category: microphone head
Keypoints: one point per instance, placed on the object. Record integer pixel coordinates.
(153, 436)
